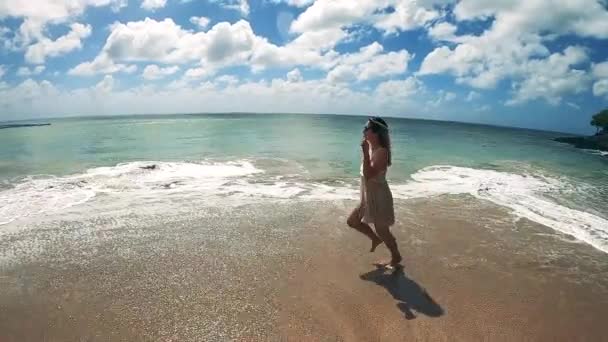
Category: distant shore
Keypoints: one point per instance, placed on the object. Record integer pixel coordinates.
(596, 142)
(23, 125)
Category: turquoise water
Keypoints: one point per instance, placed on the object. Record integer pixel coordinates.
(81, 162)
(72, 145)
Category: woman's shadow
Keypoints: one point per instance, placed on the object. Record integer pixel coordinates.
(411, 296)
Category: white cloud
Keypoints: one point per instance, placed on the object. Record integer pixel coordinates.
(152, 5)
(25, 71)
(228, 44)
(26, 92)
(5, 38)
(399, 89)
(580, 17)
(33, 98)
(295, 76)
(342, 74)
(312, 48)
(573, 105)
(392, 63)
(325, 14)
(117, 5)
(102, 64)
(599, 72)
(244, 7)
(443, 31)
(552, 77)
(2, 70)
(369, 63)
(600, 88)
(151, 40)
(295, 3)
(154, 72)
(166, 42)
(201, 22)
(57, 11)
(515, 39)
(437, 62)
(365, 54)
(408, 15)
(239, 5)
(449, 96)
(319, 40)
(515, 47)
(269, 55)
(482, 62)
(484, 108)
(38, 52)
(178, 84)
(227, 80)
(38, 14)
(473, 95)
(442, 97)
(223, 45)
(288, 94)
(106, 85)
(197, 73)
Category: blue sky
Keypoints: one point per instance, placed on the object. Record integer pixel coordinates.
(536, 63)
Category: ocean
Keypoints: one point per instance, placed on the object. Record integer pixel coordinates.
(86, 175)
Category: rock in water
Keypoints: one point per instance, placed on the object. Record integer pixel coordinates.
(149, 167)
(597, 142)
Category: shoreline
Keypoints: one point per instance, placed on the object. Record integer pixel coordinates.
(304, 276)
(596, 142)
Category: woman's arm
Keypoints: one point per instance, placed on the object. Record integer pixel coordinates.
(375, 166)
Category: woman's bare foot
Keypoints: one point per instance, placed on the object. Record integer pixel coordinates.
(382, 263)
(395, 261)
(375, 243)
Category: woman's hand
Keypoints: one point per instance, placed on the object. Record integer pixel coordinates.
(365, 146)
(366, 159)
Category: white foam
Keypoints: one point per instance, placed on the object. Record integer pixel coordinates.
(598, 152)
(36, 195)
(526, 195)
(165, 186)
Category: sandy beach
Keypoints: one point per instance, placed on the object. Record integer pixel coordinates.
(187, 171)
(305, 276)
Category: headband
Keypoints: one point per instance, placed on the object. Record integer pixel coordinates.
(378, 123)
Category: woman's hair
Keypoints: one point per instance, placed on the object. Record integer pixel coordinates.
(380, 127)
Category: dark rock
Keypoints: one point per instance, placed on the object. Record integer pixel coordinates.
(171, 184)
(23, 125)
(597, 142)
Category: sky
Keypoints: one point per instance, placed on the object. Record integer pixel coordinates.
(539, 64)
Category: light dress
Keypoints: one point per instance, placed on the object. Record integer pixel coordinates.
(376, 200)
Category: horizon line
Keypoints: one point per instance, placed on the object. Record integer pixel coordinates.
(103, 116)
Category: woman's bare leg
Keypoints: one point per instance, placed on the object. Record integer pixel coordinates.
(385, 234)
(354, 221)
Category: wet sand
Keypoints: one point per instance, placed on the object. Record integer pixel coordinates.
(471, 273)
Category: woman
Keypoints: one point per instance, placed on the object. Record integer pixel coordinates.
(376, 206)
